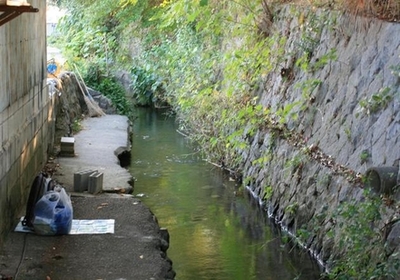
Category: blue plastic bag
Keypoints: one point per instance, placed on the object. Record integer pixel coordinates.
(53, 213)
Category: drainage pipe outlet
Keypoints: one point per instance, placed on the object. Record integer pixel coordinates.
(382, 179)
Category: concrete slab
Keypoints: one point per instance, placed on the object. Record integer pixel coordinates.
(94, 149)
(132, 252)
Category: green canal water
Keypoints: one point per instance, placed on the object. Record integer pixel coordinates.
(214, 234)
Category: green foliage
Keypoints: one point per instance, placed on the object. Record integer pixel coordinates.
(363, 252)
(247, 181)
(90, 37)
(111, 89)
(262, 160)
(304, 64)
(268, 192)
(145, 86)
(76, 126)
(207, 77)
(287, 112)
(347, 131)
(292, 208)
(324, 60)
(311, 26)
(377, 101)
(313, 227)
(324, 180)
(395, 70)
(364, 156)
(295, 162)
(308, 86)
(83, 42)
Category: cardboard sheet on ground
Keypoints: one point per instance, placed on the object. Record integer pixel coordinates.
(80, 227)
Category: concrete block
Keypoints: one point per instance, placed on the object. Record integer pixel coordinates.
(68, 141)
(67, 146)
(81, 180)
(95, 183)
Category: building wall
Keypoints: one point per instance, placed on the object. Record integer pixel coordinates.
(26, 113)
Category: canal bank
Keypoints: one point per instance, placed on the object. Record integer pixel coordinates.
(136, 249)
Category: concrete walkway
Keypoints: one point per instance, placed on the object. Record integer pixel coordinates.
(136, 250)
(94, 149)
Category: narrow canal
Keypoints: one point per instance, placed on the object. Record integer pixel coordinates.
(215, 233)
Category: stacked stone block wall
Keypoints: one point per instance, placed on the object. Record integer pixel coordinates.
(351, 116)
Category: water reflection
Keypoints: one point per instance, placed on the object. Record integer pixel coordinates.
(214, 234)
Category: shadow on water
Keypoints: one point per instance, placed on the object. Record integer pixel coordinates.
(215, 234)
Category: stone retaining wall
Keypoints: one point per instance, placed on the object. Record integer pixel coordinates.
(349, 119)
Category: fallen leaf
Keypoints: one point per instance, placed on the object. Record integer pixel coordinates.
(102, 205)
